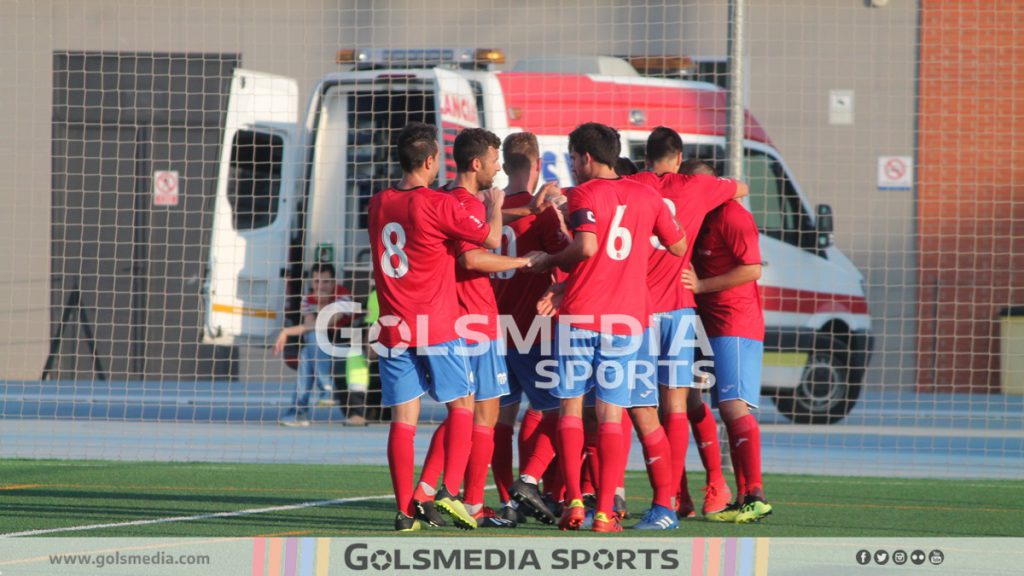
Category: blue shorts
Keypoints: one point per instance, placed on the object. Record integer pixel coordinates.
(524, 374)
(674, 335)
(737, 370)
(487, 370)
(605, 363)
(443, 373)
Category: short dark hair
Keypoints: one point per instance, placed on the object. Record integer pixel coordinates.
(600, 141)
(625, 167)
(472, 143)
(416, 142)
(322, 267)
(520, 150)
(662, 143)
(697, 166)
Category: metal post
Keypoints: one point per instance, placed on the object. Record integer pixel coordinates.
(735, 128)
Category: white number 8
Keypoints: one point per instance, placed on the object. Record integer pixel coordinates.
(617, 232)
(672, 210)
(393, 248)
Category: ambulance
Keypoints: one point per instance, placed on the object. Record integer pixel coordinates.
(293, 189)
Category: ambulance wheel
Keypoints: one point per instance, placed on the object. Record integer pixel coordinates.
(824, 395)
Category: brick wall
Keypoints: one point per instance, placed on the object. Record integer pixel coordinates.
(970, 188)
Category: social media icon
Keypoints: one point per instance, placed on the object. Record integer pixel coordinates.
(917, 557)
(881, 557)
(936, 557)
(863, 557)
(899, 557)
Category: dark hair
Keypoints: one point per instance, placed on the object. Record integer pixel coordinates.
(697, 166)
(470, 144)
(600, 141)
(322, 267)
(625, 167)
(520, 150)
(662, 143)
(416, 142)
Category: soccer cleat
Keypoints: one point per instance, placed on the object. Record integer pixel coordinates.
(716, 498)
(486, 518)
(511, 512)
(528, 495)
(404, 523)
(602, 523)
(573, 515)
(588, 520)
(294, 420)
(453, 507)
(428, 514)
(619, 507)
(728, 514)
(554, 506)
(658, 518)
(753, 510)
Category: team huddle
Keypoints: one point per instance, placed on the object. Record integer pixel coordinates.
(610, 306)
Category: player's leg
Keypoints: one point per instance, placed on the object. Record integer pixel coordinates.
(501, 460)
(430, 476)
(658, 459)
(627, 446)
(677, 428)
(737, 389)
(403, 382)
(298, 409)
(705, 436)
(609, 450)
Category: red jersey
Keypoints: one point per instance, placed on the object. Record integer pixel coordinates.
(517, 291)
(729, 239)
(413, 266)
(689, 198)
(476, 296)
(623, 214)
(313, 303)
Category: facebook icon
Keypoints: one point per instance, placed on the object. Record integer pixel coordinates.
(863, 557)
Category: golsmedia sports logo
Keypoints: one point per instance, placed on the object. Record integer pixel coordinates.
(364, 558)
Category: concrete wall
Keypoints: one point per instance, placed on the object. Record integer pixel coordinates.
(799, 50)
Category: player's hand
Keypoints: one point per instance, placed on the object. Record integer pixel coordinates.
(494, 197)
(539, 261)
(279, 344)
(546, 197)
(690, 280)
(549, 303)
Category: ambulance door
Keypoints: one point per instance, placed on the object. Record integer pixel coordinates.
(457, 107)
(254, 209)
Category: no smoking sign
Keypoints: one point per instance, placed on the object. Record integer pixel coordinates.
(895, 172)
(165, 188)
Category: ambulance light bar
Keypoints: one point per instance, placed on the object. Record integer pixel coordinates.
(420, 57)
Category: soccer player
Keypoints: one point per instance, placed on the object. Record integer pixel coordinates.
(726, 267)
(517, 294)
(410, 227)
(690, 198)
(602, 319)
(475, 151)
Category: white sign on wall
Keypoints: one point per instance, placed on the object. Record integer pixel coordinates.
(165, 188)
(895, 172)
(840, 107)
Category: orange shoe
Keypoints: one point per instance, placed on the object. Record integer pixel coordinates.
(573, 515)
(604, 523)
(716, 498)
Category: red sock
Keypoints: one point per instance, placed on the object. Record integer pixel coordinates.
(658, 457)
(501, 461)
(705, 434)
(677, 428)
(609, 447)
(528, 435)
(479, 460)
(627, 445)
(542, 449)
(433, 465)
(553, 484)
(570, 452)
(591, 478)
(456, 449)
(401, 461)
(745, 443)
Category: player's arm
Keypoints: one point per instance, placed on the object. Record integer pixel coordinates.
(478, 260)
(738, 276)
(308, 324)
(583, 246)
(551, 299)
(669, 232)
(493, 200)
(540, 202)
